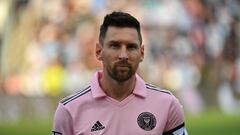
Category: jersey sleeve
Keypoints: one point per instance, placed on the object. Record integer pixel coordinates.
(175, 123)
(62, 124)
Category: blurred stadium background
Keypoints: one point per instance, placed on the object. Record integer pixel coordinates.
(191, 48)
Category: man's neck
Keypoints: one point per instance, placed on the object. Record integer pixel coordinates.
(115, 89)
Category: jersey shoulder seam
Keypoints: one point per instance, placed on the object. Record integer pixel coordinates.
(76, 95)
(154, 88)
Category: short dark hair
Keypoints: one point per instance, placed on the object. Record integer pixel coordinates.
(119, 19)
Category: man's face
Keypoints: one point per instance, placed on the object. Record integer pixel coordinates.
(120, 53)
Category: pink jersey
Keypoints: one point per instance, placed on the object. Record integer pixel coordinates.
(147, 111)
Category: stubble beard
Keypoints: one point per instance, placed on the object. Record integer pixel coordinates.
(121, 75)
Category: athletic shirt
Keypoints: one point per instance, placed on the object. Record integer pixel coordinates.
(147, 111)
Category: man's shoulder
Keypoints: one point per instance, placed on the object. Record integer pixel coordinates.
(154, 88)
(77, 95)
(159, 94)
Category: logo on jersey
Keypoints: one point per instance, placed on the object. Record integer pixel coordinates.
(97, 126)
(146, 121)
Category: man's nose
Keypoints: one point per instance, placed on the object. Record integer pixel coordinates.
(123, 53)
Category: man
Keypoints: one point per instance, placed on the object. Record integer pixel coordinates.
(118, 101)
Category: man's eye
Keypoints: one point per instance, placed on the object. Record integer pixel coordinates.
(114, 45)
(132, 46)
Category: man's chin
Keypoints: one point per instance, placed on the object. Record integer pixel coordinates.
(122, 77)
(122, 74)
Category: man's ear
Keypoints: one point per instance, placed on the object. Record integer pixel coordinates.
(142, 52)
(99, 51)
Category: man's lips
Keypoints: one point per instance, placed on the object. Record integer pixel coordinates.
(122, 66)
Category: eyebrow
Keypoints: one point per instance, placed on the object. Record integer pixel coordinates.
(118, 42)
(113, 41)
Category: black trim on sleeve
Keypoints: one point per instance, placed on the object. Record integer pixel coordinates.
(56, 133)
(170, 132)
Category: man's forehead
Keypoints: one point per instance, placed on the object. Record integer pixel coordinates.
(115, 28)
(125, 33)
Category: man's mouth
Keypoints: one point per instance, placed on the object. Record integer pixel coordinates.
(122, 67)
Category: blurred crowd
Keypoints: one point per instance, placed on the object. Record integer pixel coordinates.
(191, 47)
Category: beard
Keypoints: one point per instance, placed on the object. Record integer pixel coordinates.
(121, 71)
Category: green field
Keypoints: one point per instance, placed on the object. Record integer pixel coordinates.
(213, 123)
